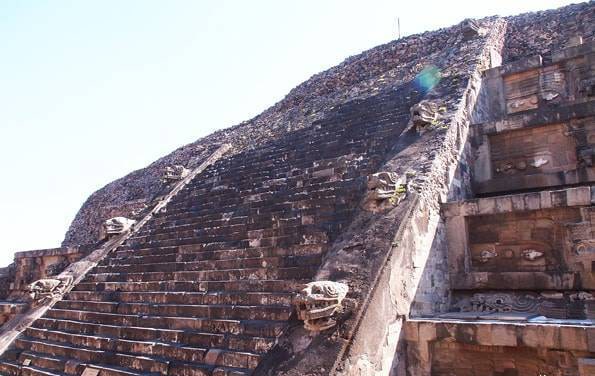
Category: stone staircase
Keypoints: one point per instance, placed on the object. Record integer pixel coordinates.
(205, 286)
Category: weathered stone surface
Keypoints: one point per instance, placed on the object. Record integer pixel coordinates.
(546, 32)
(317, 302)
(204, 284)
(44, 290)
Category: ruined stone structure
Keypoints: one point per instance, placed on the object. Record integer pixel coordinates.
(424, 208)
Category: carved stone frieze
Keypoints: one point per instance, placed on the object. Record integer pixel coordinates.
(502, 303)
(552, 304)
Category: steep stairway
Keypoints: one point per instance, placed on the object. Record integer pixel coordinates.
(205, 286)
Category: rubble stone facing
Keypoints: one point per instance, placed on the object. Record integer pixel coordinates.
(541, 33)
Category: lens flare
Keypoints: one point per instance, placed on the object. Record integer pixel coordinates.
(428, 78)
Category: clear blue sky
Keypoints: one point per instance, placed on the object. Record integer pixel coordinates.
(91, 90)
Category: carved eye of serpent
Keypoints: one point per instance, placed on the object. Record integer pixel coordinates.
(327, 290)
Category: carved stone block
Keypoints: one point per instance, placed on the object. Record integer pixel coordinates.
(116, 226)
(423, 114)
(385, 190)
(471, 29)
(44, 290)
(174, 173)
(318, 302)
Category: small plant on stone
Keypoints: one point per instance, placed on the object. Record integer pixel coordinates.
(400, 190)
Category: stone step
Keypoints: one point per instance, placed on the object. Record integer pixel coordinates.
(297, 187)
(252, 344)
(199, 237)
(290, 227)
(208, 216)
(207, 275)
(208, 245)
(34, 371)
(156, 350)
(115, 371)
(105, 370)
(222, 243)
(287, 239)
(203, 215)
(43, 361)
(140, 363)
(260, 328)
(238, 263)
(243, 286)
(59, 365)
(235, 312)
(206, 251)
(192, 254)
(137, 362)
(183, 297)
(9, 368)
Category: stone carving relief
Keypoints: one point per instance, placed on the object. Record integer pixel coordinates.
(551, 304)
(513, 256)
(385, 190)
(44, 290)
(585, 247)
(486, 255)
(423, 114)
(116, 226)
(174, 173)
(552, 84)
(531, 254)
(582, 296)
(520, 165)
(471, 29)
(318, 302)
(585, 156)
(502, 303)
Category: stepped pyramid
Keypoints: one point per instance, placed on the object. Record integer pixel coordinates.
(444, 177)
